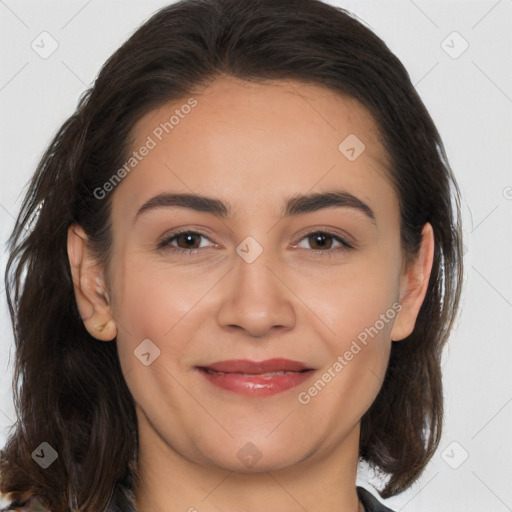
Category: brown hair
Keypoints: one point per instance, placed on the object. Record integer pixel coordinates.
(69, 389)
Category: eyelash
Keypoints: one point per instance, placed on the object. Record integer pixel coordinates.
(164, 244)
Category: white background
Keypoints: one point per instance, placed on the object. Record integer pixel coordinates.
(469, 98)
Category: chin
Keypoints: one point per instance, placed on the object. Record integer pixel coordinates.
(252, 457)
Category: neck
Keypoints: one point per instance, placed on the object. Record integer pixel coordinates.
(170, 482)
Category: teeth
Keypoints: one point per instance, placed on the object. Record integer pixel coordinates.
(269, 374)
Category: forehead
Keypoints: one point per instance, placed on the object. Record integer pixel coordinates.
(229, 102)
(244, 140)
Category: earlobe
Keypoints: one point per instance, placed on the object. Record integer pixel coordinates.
(414, 285)
(89, 286)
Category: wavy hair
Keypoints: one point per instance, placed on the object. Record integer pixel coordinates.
(69, 389)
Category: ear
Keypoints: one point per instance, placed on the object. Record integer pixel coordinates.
(89, 285)
(413, 286)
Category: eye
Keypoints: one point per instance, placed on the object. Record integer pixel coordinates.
(183, 242)
(189, 242)
(323, 241)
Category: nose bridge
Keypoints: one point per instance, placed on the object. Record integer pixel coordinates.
(256, 300)
(252, 268)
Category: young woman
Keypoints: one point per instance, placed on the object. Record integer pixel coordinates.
(233, 273)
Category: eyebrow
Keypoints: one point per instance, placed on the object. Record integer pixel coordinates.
(295, 205)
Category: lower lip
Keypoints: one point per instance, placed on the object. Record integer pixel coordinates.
(251, 385)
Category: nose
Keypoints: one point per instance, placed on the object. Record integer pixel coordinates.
(255, 298)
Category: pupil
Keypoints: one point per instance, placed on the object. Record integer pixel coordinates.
(320, 239)
(189, 239)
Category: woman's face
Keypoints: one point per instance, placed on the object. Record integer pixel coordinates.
(291, 259)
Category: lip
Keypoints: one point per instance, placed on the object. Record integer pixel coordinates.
(256, 378)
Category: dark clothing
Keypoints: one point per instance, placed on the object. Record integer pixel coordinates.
(123, 502)
(370, 503)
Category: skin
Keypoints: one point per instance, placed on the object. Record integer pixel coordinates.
(252, 146)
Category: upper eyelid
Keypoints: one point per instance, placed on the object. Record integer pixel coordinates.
(341, 239)
(166, 239)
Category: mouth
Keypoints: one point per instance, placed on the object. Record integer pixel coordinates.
(254, 378)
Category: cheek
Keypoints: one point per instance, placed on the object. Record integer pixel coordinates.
(359, 306)
(146, 307)
(156, 304)
(162, 303)
(361, 326)
(358, 349)
(354, 298)
(155, 298)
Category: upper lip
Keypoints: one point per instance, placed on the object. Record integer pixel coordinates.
(257, 367)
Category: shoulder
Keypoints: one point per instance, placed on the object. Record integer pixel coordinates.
(370, 502)
(35, 504)
(32, 504)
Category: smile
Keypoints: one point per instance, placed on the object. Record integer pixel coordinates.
(252, 378)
